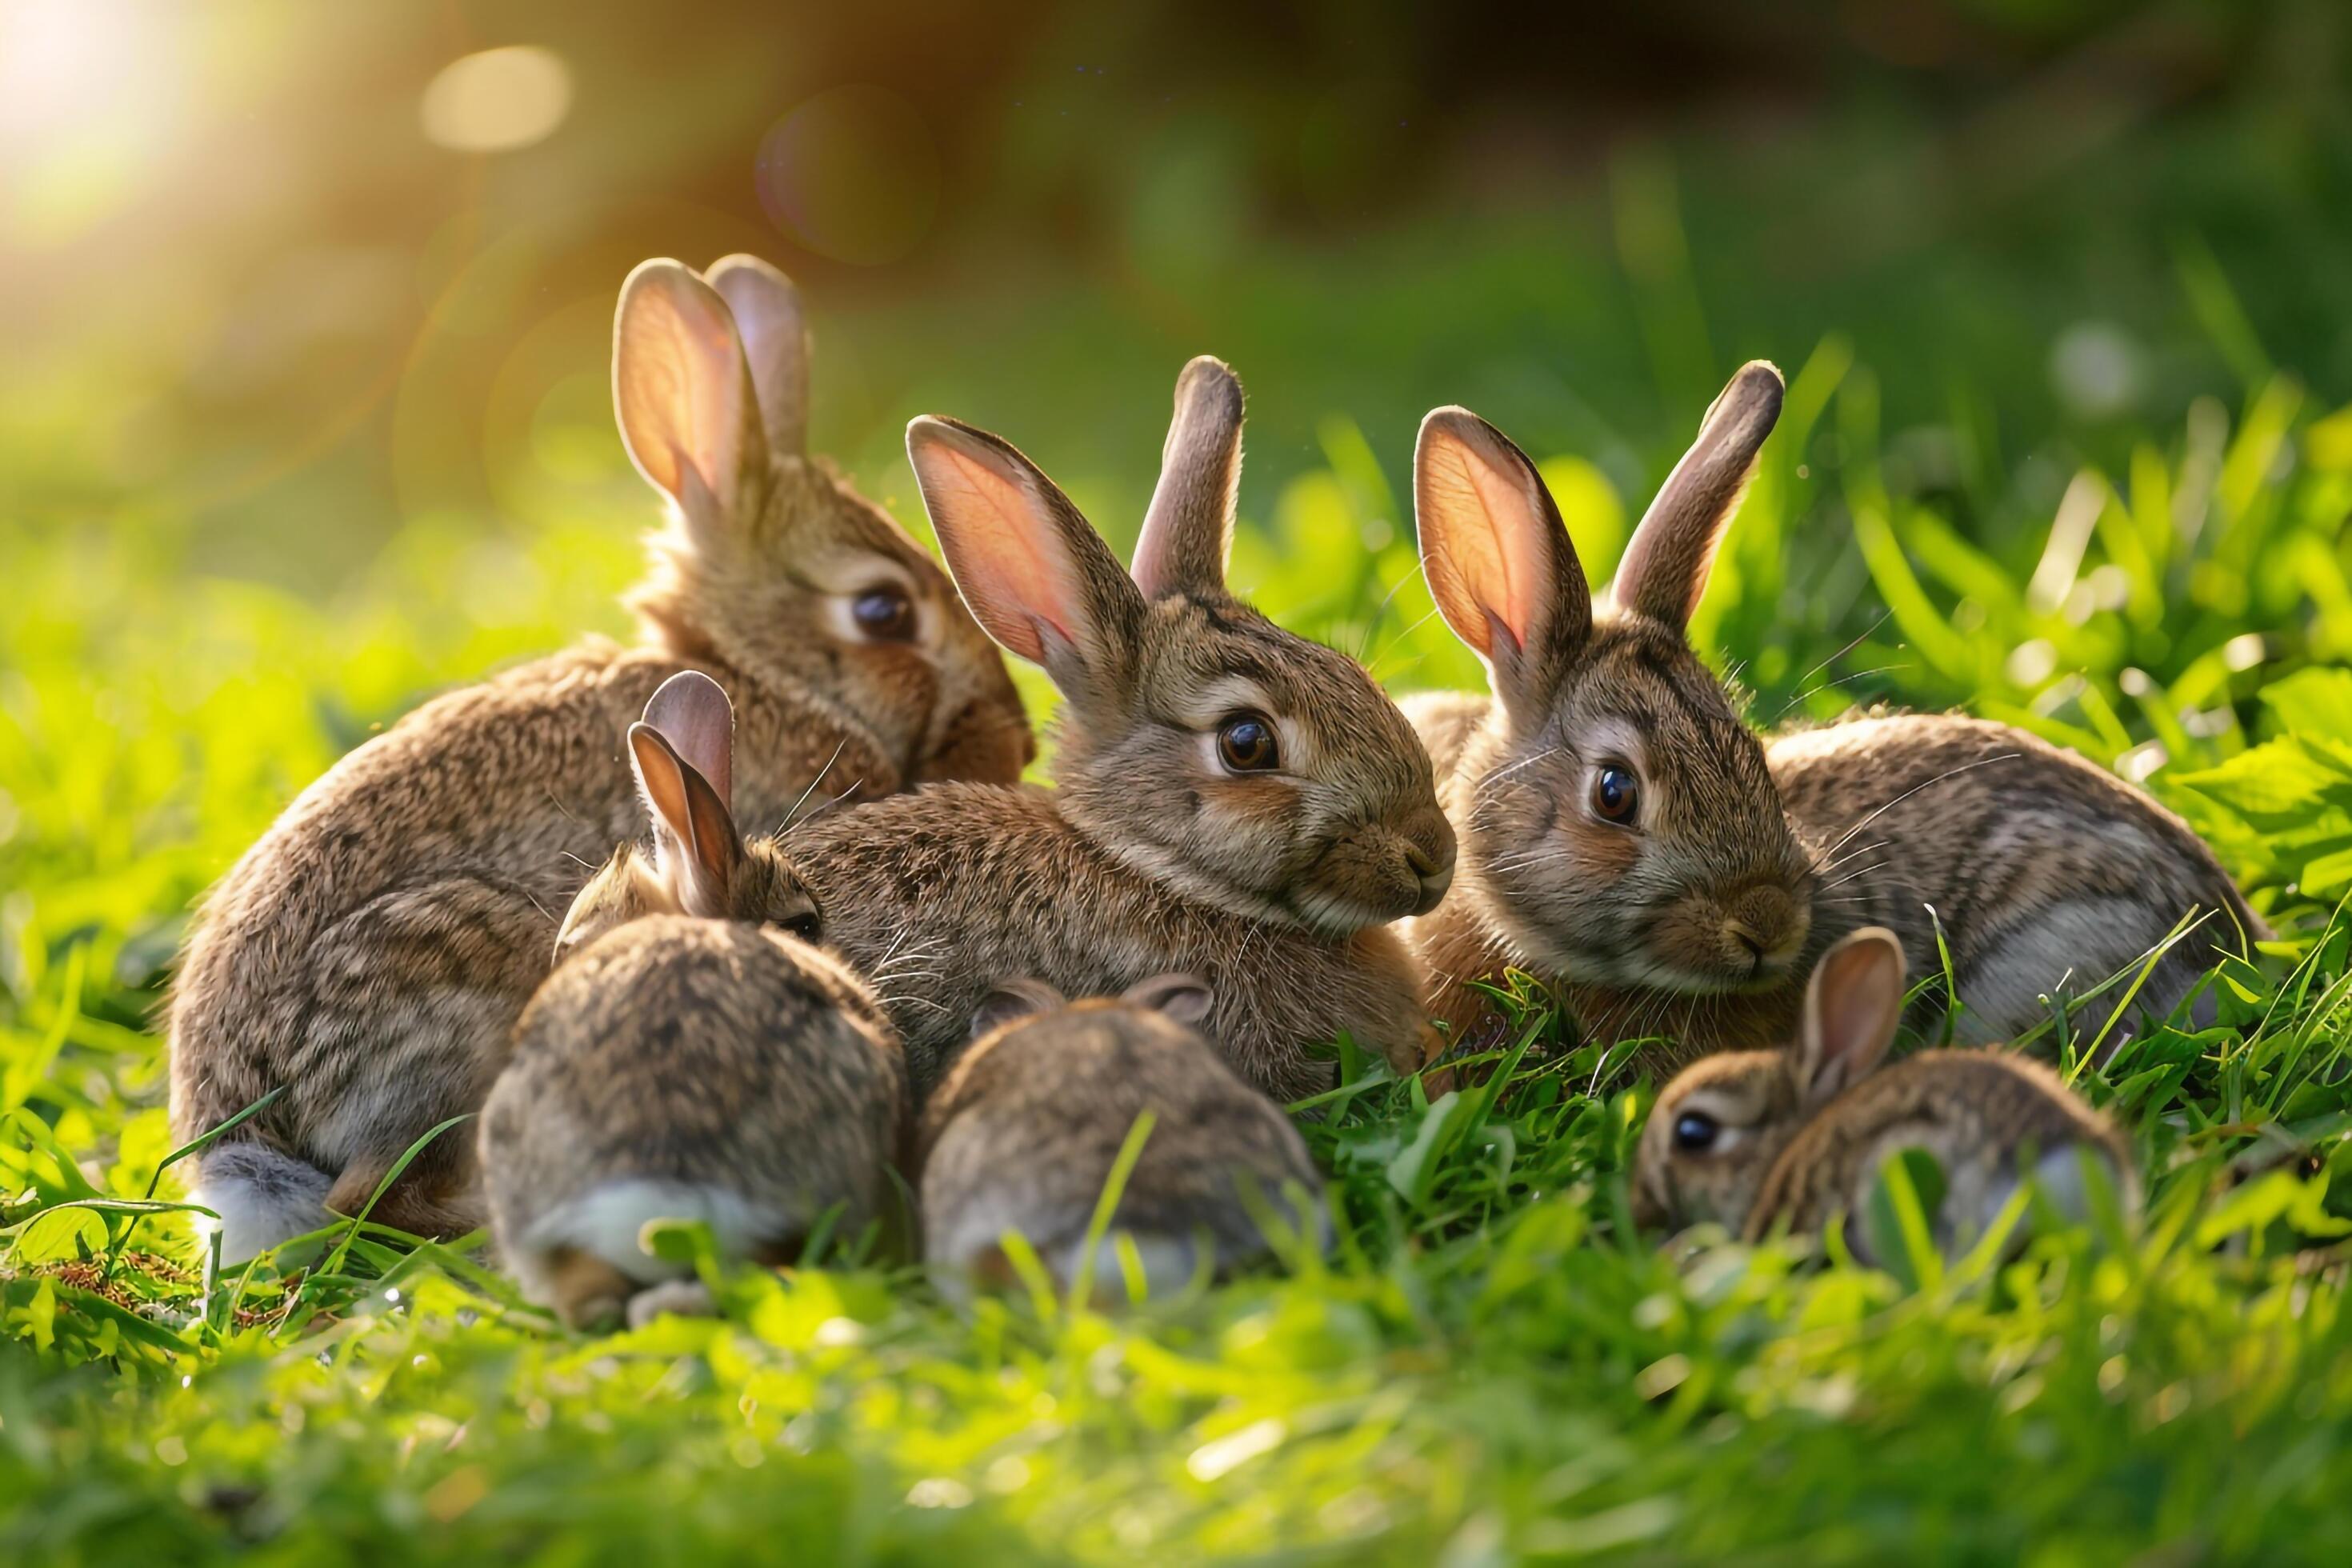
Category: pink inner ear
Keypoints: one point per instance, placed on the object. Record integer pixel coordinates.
(1486, 529)
(990, 527)
(679, 384)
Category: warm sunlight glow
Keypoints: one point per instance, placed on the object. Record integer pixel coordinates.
(497, 101)
(67, 63)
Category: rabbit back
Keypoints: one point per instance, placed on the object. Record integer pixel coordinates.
(693, 1068)
(1976, 1111)
(1024, 1132)
(942, 895)
(2038, 864)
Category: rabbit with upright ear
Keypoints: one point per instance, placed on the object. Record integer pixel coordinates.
(369, 955)
(1234, 801)
(1023, 1133)
(1627, 839)
(1798, 1136)
(1622, 834)
(692, 1069)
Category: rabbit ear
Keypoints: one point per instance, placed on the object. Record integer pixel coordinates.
(696, 847)
(1186, 998)
(1014, 999)
(692, 713)
(1853, 1004)
(1665, 566)
(767, 311)
(1189, 530)
(1032, 570)
(683, 391)
(1497, 557)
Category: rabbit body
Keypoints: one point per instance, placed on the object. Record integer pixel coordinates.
(369, 954)
(700, 1069)
(1024, 1132)
(942, 895)
(1800, 1135)
(1628, 840)
(1233, 800)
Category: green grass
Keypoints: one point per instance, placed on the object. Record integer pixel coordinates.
(1490, 1366)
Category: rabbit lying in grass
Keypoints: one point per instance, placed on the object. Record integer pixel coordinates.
(1023, 1133)
(1627, 839)
(1798, 1136)
(369, 955)
(693, 1055)
(1236, 802)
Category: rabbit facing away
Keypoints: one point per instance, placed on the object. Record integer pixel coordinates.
(1233, 801)
(369, 954)
(1798, 1136)
(678, 1068)
(1024, 1131)
(1628, 839)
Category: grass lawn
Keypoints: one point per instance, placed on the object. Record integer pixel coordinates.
(1491, 1366)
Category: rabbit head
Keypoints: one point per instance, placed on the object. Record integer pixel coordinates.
(710, 382)
(1621, 820)
(682, 753)
(1201, 743)
(1717, 1128)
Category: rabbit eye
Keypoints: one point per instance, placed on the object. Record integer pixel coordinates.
(1245, 744)
(1615, 796)
(884, 615)
(806, 927)
(1695, 1131)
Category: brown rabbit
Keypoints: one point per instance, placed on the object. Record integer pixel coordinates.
(1234, 801)
(369, 954)
(685, 1068)
(1626, 837)
(1022, 1132)
(1798, 1136)
(1622, 836)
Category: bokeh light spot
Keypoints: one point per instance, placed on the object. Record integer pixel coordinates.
(497, 101)
(852, 174)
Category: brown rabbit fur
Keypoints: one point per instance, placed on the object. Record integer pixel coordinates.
(1740, 860)
(1234, 801)
(1022, 1132)
(1754, 1139)
(369, 954)
(688, 1068)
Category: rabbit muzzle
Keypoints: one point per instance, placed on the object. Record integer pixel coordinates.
(987, 741)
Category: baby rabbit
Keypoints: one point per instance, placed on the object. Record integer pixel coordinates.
(1234, 803)
(1754, 1139)
(694, 1069)
(1022, 1136)
(1626, 837)
(369, 954)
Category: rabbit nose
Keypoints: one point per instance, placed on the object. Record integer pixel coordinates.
(1428, 855)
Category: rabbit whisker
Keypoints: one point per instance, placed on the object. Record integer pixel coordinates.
(1868, 633)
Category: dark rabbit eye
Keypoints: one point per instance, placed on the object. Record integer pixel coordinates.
(885, 614)
(1615, 796)
(807, 927)
(1695, 1131)
(1245, 744)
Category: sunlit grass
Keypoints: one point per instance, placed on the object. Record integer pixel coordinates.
(1489, 1365)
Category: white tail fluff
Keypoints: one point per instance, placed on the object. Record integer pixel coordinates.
(608, 1221)
(263, 1198)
